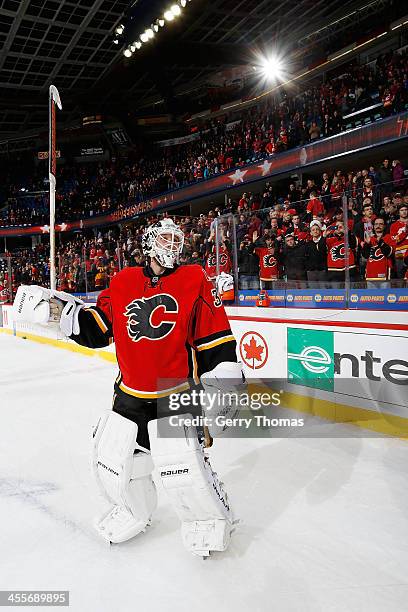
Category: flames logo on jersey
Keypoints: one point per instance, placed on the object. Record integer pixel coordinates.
(338, 252)
(212, 260)
(376, 254)
(269, 261)
(140, 315)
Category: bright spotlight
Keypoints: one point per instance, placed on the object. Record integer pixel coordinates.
(144, 37)
(127, 53)
(176, 10)
(119, 29)
(272, 68)
(183, 3)
(168, 15)
(138, 44)
(133, 48)
(161, 23)
(116, 42)
(156, 27)
(149, 33)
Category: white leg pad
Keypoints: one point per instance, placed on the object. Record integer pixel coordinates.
(124, 478)
(196, 493)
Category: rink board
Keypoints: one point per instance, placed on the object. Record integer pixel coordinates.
(344, 366)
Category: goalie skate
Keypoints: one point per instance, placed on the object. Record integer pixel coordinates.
(119, 525)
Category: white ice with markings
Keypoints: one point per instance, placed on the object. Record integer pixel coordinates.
(324, 522)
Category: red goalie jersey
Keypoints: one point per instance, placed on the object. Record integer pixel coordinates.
(166, 329)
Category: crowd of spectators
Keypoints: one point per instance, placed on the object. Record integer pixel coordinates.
(296, 237)
(86, 190)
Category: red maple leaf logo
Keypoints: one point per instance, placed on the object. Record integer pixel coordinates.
(253, 351)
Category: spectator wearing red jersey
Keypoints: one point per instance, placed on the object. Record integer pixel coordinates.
(224, 261)
(300, 230)
(399, 233)
(270, 147)
(377, 250)
(315, 206)
(336, 254)
(336, 190)
(266, 251)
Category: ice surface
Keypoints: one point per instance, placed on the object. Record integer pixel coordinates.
(323, 521)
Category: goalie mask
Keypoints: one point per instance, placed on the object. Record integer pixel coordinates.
(164, 241)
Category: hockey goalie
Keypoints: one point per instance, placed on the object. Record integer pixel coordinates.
(169, 328)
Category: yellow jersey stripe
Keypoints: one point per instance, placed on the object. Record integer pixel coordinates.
(98, 319)
(195, 366)
(153, 394)
(210, 345)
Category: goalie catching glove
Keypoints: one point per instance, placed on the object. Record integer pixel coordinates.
(34, 304)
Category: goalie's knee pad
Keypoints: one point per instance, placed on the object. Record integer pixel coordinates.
(196, 494)
(123, 471)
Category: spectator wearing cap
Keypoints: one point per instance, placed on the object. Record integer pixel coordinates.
(378, 249)
(316, 254)
(399, 233)
(294, 259)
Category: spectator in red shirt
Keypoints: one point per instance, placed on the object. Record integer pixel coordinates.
(377, 250)
(314, 206)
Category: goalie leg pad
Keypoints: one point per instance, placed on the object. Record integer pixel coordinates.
(123, 471)
(197, 495)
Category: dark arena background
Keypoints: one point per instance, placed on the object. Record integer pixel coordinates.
(274, 135)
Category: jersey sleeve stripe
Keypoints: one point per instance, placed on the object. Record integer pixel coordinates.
(196, 378)
(101, 324)
(212, 337)
(214, 343)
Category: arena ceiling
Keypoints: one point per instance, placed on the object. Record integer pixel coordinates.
(70, 43)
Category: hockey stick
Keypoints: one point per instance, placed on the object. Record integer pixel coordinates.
(54, 99)
(208, 440)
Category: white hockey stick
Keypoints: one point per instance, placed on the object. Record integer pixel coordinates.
(54, 99)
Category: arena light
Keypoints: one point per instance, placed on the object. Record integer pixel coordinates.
(168, 15)
(176, 10)
(272, 68)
